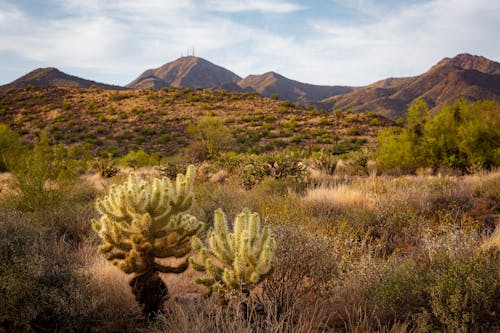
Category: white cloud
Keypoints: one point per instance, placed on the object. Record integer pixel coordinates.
(409, 42)
(117, 40)
(275, 6)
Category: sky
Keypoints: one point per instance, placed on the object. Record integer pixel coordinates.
(330, 42)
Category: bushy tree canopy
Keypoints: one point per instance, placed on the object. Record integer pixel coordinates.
(461, 135)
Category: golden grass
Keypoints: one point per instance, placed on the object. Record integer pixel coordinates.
(494, 239)
(109, 280)
(339, 198)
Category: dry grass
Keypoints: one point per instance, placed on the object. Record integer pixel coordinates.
(494, 239)
(340, 198)
(113, 284)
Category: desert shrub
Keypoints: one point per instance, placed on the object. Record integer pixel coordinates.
(209, 137)
(300, 274)
(138, 158)
(228, 197)
(489, 189)
(400, 294)
(464, 294)
(172, 167)
(441, 194)
(106, 167)
(395, 225)
(324, 162)
(42, 289)
(285, 165)
(43, 175)
(450, 287)
(10, 146)
(357, 162)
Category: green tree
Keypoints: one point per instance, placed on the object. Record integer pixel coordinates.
(460, 136)
(210, 136)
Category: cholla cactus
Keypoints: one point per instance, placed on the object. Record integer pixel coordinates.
(143, 221)
(242, 258)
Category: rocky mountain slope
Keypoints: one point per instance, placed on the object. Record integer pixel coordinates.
(52, 77)
(190, 72)
(272, 83)
(469, 76)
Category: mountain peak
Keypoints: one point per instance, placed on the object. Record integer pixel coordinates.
(189, 71)
(465, 75)
(53, 77)
(468, 61)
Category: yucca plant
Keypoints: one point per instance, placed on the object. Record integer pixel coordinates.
(142, 222)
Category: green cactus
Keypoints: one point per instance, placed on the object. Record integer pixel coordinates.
(237, 260)
(143, 221)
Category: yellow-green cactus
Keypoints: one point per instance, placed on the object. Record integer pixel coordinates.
(143, 221)
(237, 260)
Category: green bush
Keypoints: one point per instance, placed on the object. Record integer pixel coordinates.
(9, 146)
(210, 137)
(464, 295)
(138, 158)
(43, 175)
(462, 135)
(450, 290)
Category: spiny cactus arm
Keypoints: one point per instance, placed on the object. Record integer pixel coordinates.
(171, 251)
(219, 251)
(230, 280)
(133, 263)
(207, 282)
(265, 262)
(240, 224)
(240, 267)
(111, 206)
(183, 197)
(253, 228)
(197, 246)
(110, 242)
(197, 267)
(219, 240)
(215, 271)
(155, 196)
(106, 248)
(168, 269)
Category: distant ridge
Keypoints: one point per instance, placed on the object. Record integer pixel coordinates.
(470, 76)
(52, 77)
(465, 75)
(273, 83)
(190, 72)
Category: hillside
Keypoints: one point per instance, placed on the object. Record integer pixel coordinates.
(465, 75)
(272, 83)
(52, 77)
(190, 72)
(156, 120)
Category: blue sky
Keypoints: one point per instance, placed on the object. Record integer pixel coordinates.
(349, 42)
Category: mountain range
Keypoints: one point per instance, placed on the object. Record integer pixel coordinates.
(470, 76)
